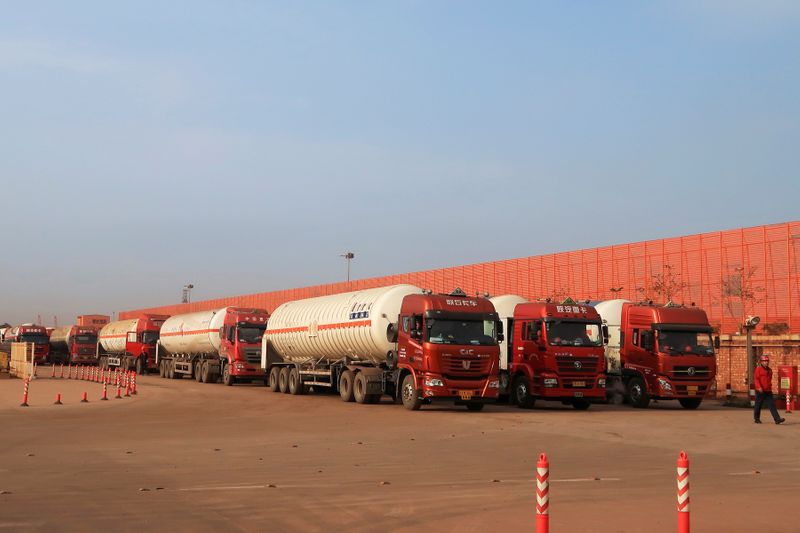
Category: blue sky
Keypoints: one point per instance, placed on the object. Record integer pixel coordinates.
(244, 145)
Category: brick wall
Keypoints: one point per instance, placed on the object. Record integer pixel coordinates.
(732, 359)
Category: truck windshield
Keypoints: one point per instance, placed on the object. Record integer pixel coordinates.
(685, 342)
(149, 337)
(567, 333)
(36, 338)
(475, 332)
(251, 334)
(85, 339)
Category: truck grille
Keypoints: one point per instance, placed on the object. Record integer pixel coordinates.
(86, 351)
(691, 372)
(253, 355)
(683, 390)
(465, 366)
(576, 365)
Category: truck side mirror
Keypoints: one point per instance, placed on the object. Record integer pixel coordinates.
(716, 342)
(605, 334)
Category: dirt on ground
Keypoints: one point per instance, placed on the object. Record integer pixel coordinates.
(187, 456)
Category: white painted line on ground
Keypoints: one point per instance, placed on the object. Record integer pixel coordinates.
(234, 487)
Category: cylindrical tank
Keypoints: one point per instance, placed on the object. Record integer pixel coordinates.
(351, 324)
(113, 335)
(611, 313)
(192, 333)
(60, 337)
(504, 305)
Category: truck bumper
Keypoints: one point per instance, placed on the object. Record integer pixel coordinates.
(434, 387)
(591, 387)
(666, 389)
(241, 369)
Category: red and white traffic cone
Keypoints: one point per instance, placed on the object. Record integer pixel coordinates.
(133, 384)
(119, 395)
(105, 391)
(752, 395)
(35, 369)
(69, 371)
(24, 394)
(54, 372)
(62, 371)
(683, 493)
(788, 403)
(84, 399)
(128, 390)
(542, 494)
(58, 399)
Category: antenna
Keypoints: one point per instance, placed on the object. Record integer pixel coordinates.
(187, 293)
(349, 256)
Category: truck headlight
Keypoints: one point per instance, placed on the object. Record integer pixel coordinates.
(434, 382)
(601, 382)
(665, 385)
(550, 382)
(494, 384)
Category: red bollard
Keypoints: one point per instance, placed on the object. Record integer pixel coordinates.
(84, 399)
(128, 391)
(24, 394)
(133, 384)
(54, 371)
(788, 403)
(752, 395)
(69, 371)
(105, 391)
(58, 399)
(62, 371)
(542, 494)
(119, 396)
(683, 493)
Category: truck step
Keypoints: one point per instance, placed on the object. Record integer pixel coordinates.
(317, 383)
(315, 372)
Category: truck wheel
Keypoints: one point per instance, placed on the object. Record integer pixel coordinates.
(581, 405)
(205, 374)
(161, 368)
(690, 403)
(283, 380)
(474, 406)
(522, 393)
(637, 393)
(140, 367)
(295, 383)
(346, 386)
(408, 391)
(169, 370)
(273, 378)
(227, 378)
(360, 389)
(196, 370)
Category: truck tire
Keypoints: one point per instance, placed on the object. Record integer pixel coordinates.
(161, 368)
(474, 406)
(408, 391)
(205, 374)
(283, 380)
(295, 383)
(272, 381)
(140, 366)
(637, 393)
(196, 371)
(690, 403)
(521, 393)
(346, 386)
(227, 378)
(360, 389)
(169, 370)
(581, 404)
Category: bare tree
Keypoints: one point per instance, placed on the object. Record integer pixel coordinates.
(740, 293)
(667, 285)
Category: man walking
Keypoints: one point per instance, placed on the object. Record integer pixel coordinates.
(762, 379)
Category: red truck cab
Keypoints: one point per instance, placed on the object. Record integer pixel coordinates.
(553, 352)
(36, 335)
(140, 345)
(447, 350)
(83, 348)
(662, 352)
(240, 344)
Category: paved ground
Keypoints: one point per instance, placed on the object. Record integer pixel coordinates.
(188, 456)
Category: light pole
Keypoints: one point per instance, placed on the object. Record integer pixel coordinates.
(349, 256)
(187, 293)
(749, 325)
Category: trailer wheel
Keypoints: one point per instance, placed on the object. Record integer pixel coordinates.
(205, 374)
(161, 368)
(227, 378)
(169, 371)
(637, 393)
(474, 406)
(196, 368)
(272, 382)
(408, 390)
(360, 389)
(295, 383)
(346, 386)
(690, 403)
(283, 380)
(581, 404)
(522, 393)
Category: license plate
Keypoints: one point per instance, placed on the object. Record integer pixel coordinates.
(579, 395)
(578, 383)
(692, 389)
(466, 394)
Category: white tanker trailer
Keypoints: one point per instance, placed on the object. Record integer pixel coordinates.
(399, 340)
(208, 344)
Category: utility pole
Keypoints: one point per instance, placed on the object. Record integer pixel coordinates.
(749, 325)
(349, 256)
(187, 293)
